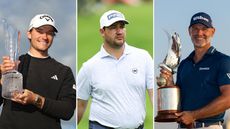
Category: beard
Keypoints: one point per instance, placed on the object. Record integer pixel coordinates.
(116, 44)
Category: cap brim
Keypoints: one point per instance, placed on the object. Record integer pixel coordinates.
(55, 29)
(125, 21)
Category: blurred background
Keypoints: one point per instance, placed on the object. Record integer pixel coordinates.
(175, 15)
(139, 33)
(20, 12)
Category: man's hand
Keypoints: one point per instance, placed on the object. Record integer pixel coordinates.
(7, 64)
(166, 74)
(186, 117)
(24, 98)
(29, 97)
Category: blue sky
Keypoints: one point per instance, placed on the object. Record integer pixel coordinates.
(20, 12)
(175, 15)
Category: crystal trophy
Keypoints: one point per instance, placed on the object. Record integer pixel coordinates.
(12, 81)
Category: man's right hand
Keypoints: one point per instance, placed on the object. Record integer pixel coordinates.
(7, 64)
(167, 75)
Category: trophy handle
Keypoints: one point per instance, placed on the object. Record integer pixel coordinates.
(18, 43)
(17, 48)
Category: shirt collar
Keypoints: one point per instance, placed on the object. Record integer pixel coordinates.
(104, 53)
(210, 51)
(29, 53)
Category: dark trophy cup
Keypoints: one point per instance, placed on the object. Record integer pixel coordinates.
(168, 96)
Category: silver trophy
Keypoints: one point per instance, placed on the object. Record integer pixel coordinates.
(168, 96)
(12, 81)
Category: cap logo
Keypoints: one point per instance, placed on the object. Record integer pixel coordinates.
(114, 15)
(200, 18)
(46, 17)
(228, 74)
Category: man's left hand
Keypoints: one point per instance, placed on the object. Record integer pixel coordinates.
(186, 117)
(24, 98)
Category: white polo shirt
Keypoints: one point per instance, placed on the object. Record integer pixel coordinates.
(117, 87)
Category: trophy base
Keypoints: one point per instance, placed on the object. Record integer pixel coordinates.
(12, 84)
(166, 116)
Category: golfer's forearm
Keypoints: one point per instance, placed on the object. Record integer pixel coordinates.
(79, 115)
(61, 109)
(150, 92)
(82, 104)
(216, 107)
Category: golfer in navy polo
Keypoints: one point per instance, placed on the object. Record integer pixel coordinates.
(203, 78)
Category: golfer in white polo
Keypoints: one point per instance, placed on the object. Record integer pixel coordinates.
(116, 79)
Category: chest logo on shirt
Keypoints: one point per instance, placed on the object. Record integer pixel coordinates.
(54, 77)
(134, 70)
(204, 68)
(228, 74)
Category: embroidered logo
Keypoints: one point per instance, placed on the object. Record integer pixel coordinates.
(114, 15)
(46, 17)
(228, 74)
(204, 68)
(54, 77)
(200, 18)
(135, 70)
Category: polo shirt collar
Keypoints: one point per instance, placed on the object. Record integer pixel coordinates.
(210, 51)
(104, 53)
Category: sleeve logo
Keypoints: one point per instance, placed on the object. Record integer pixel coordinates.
(228, 74)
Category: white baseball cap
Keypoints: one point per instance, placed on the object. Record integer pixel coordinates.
(40, 20)
(110, 17)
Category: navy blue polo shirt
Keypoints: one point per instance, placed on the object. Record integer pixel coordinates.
(200, 82)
